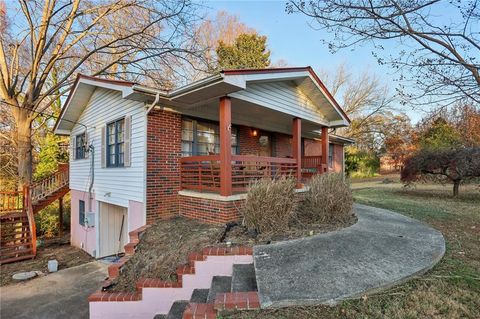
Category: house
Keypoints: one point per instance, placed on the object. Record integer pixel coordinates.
(140, 153)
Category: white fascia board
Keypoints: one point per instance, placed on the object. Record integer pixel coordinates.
(329, 100)
(339, 123)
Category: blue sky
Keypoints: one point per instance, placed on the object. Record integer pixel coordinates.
(291, 38)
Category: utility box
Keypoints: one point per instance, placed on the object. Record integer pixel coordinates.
(90, 219)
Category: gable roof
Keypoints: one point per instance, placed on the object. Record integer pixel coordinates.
(221, 84)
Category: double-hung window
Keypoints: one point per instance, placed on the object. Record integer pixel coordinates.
(203, 138)
(116, 143)
(80, 142)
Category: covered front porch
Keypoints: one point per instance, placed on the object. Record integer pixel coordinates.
(226, 172)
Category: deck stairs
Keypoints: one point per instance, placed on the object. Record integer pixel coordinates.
(17, 211)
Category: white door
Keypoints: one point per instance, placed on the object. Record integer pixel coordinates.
(113, 231)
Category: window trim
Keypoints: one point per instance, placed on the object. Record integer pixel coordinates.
(331, 146)
(194, 142)
(116, 143)
(81, 220)
(82, 147)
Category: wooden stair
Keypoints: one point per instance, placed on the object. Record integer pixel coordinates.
(16, 237)
(17, 209)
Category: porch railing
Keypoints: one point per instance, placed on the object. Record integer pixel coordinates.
(203, 172)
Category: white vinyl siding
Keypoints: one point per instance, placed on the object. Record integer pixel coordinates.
(116, 185)
(284, 97)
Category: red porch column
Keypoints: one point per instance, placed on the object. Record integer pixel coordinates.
(225, 116)
(297, 148)
(325, 148)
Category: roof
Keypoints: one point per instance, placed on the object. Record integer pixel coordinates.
(224, 83)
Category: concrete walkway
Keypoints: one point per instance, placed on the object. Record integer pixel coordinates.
(59, 295)
(382, 249)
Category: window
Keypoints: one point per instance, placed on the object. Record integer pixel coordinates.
(80, 142)
(116, 143)
(81, 212)
(330, 155)
(203, 138)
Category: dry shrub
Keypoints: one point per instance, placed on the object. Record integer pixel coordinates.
(270, 204)
(328, 199)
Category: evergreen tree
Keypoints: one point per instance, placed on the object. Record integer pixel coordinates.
(248, 51)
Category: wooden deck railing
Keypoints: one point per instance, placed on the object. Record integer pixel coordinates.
(47, 186)
(11, 201)
(203, 172)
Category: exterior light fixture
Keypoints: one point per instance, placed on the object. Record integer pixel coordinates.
(254, 132)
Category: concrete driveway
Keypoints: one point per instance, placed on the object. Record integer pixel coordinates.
(58, 295)
(382, 249)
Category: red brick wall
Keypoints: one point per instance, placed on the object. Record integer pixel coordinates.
(312, 147)
(337, 158)
(283, 145)
(209, 210)
(164, 134)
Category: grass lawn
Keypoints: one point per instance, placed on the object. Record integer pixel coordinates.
(450, 290)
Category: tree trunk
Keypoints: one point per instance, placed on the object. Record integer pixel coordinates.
(24, 146)
(456, 185)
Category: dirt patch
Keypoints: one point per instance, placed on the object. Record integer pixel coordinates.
(59, 249)
(240, 235)
(164, 247)
(167, 244)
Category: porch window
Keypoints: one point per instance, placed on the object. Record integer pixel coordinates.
(80, 146)
(115, 143)
(81, 212)
(203, 138)
(330, 155)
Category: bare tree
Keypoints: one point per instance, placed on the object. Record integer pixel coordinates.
(126, 39)
(367, 102)
(439, 41)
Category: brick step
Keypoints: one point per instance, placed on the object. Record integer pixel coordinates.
(18, 258)
(200, 311)
(219, 284)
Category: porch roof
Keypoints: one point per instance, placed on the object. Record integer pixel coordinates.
(262, 98)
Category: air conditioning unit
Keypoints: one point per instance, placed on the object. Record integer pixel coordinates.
(90, 219)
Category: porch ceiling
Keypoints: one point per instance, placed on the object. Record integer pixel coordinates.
(253, 115)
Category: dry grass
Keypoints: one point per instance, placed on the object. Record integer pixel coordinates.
(270, 205)
(450, 290)
(164, 247)
(329, 198)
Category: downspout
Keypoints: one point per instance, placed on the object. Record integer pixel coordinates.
(91, 149)
(151, 106)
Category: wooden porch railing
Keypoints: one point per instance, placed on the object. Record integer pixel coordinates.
(203, 172)
(311, 161)
(47, 186)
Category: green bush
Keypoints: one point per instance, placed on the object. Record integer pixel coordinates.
(47, 219)
(270, 204)
(329, 198)
(361, 164)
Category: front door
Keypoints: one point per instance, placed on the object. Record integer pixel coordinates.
(113, 230)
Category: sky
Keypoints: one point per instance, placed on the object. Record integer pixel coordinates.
(292, 38)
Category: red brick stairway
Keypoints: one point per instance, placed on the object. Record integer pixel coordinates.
(17, 209)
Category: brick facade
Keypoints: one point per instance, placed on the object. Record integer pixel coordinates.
(164, 140)
(164, 136)
(210, 210)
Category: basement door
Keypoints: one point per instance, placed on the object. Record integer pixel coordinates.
(113, 229)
